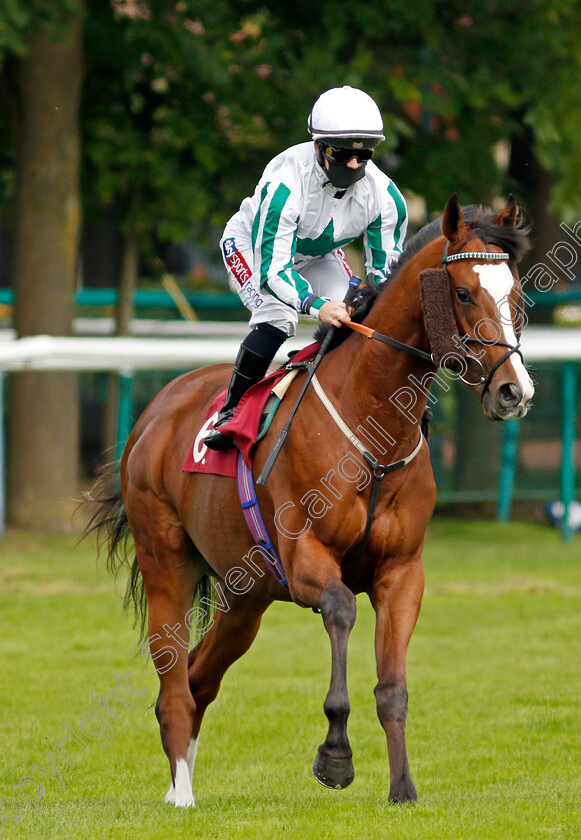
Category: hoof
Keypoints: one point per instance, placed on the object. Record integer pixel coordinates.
(405, 792)
(335, 773)
(186, 800)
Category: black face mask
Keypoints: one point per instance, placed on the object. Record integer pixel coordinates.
(339, 174)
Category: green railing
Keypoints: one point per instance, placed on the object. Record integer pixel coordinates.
(147, 299)
(510, 445)
(151, 299)
(160, 298)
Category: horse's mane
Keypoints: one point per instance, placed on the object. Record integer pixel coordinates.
(480, 220)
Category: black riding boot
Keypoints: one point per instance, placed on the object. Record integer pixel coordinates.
(249, 368)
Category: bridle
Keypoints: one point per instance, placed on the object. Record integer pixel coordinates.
(484, 379)
(381, 470)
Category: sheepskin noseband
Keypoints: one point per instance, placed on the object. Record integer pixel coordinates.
(441, 327)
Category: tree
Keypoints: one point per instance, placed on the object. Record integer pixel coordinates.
(45, 73)
(155, 111)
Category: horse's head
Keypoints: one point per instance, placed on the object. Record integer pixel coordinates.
(480, 259)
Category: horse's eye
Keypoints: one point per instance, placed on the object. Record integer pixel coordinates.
(463, 295)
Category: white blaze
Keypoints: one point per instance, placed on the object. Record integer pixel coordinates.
(497, 280)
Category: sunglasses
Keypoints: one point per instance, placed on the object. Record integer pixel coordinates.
(338, 155)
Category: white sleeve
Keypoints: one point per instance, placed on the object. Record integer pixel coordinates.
(383, 240)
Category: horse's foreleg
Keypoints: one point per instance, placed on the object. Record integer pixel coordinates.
(169, 577)
(316, 582)
(396, 598)
(333, 765)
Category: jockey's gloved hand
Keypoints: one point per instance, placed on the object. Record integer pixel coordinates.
(353, 293)
(334, 312)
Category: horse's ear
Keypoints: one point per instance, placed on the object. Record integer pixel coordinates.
(453, 221)
(508, 217)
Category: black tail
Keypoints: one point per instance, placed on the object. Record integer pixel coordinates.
(109, 520)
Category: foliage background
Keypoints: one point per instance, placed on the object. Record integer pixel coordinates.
(184, 101)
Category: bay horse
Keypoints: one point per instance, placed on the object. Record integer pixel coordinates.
(187, 528)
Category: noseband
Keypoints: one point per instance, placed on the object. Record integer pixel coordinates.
(483, 380)
(486, 380)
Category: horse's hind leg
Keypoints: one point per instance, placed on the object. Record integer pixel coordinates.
(169, 569)
(233, 629)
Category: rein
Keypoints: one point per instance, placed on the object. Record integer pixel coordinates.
(311, 367)
(368, 332)
(379, 471)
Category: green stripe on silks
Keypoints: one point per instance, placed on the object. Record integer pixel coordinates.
(297, 281)
(323, 244)
(272, 292)
(270, 230)
(256, 221)
(379, 256)
(269, 236)
(401, 213)
(374, 238)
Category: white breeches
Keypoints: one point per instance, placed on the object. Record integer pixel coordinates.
(327, 275)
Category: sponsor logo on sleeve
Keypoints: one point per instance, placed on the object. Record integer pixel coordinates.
(239, 268)
(240, 271)
(229, 246)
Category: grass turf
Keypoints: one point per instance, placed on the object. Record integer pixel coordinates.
(493, 730)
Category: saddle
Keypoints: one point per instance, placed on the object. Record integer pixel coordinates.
(250, 423)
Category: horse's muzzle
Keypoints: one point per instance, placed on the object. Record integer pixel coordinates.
(507, 402)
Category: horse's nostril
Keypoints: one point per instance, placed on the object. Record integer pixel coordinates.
(510, 394)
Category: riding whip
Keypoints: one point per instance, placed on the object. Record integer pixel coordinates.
(311, 367)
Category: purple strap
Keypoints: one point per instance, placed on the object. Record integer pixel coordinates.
(254, 519)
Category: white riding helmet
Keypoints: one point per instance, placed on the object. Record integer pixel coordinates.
(345, 112)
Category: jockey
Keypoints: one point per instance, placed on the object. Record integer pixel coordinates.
(282, 249)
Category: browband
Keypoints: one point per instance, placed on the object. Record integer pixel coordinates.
(475, 255)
